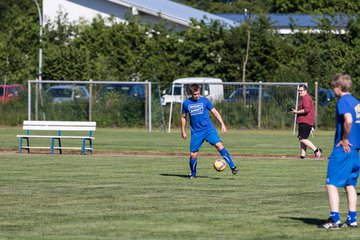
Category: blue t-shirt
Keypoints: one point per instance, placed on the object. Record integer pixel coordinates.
(348, 104)
(198, 112)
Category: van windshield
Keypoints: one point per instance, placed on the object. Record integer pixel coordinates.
(177, 89)
(203, 89)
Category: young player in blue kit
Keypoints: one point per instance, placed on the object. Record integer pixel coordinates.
(202, 128)
(344, 164)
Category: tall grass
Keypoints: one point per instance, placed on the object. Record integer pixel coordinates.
(124, 111)
(13, 112)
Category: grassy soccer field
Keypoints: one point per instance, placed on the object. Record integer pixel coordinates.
(112, 195)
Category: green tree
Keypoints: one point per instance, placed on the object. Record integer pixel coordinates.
(19, 41)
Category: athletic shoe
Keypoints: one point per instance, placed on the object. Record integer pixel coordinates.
(318, 154)
(191, 176)
(351, 225)
(234, 170)
(302, 157)
(330, 224)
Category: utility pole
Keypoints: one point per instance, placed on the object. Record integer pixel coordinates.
(38, 88)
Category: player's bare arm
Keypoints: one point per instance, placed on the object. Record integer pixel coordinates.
(347, 127)
(183, 124)
(219, 118)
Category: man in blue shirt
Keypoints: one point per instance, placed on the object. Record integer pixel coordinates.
(344, 164)
(202, 128)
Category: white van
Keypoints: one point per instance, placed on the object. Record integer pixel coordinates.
(211, 88)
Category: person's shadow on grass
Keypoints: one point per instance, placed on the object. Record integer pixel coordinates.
(185, 176)
(310, 221)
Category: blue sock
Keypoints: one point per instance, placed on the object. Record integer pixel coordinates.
(193, 164)
(351, 217)
(335, 216)
(225, 154)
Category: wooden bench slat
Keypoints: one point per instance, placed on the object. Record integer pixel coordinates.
(39, 147)
(45, 147)
(59, 123)
(59, 128)
(79, 148)
(55, 136)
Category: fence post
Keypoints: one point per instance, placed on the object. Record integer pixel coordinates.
(316, 103)
(90, 100)
(150, 107)
(29, 100)
(146, 102)
(259, 105)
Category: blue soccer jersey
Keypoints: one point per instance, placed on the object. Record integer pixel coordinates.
(348, 104)
(198, 112)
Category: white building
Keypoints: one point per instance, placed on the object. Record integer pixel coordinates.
(149, 11)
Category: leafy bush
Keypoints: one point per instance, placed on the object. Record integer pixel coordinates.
(13, 112)
(326, 116)
(119, 110)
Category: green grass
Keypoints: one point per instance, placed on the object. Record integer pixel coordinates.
(115, 196)
(104, 197)
(243, 142)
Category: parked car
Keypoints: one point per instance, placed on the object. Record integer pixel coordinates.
(211, 88)
(10, 91)
(252, 94)
(325, 97)
(136, 91)
(63, 93)
(19, 88)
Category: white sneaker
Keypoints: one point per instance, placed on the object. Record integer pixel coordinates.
(318, 154)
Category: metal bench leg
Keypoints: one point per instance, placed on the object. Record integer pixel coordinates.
(59, 143)
(90, 145)
(20, 146)
(28, 144)
(52, 145)
(83, 146)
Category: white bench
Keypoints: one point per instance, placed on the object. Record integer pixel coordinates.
(58, 127)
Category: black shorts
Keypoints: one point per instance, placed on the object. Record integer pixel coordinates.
(304, 131)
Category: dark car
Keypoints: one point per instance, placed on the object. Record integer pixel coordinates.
(325, 97)
(136, 91)
(64, 93)
(252, 94)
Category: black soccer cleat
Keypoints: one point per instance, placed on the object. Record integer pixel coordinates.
(330, 224)
(234, 170)
(350, 225)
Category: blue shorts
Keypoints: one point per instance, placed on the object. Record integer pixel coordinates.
(343, 168)
(198, 138)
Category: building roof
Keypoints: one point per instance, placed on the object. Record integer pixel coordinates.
(149, 10)
(291, 23)
(172, 11)
(286, 20)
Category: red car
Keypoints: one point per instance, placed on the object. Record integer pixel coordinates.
(9, 92)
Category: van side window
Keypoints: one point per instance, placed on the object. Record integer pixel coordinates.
(177, 90)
